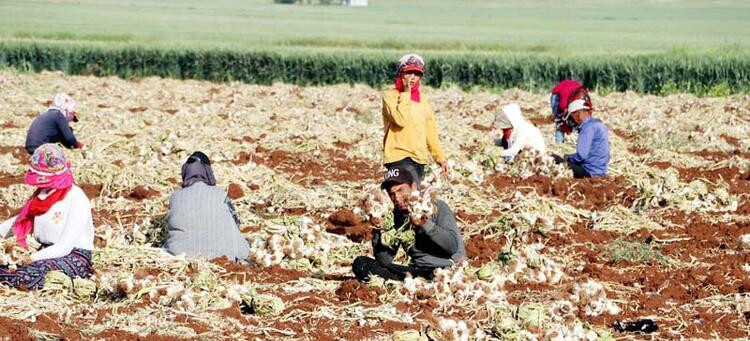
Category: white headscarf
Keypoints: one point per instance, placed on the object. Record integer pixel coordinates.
(64, 103)
(525, 134)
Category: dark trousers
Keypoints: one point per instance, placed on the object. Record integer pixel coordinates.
(364, 267)
(578, 171)
(416, 169)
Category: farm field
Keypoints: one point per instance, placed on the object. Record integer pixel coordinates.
(660, 238)
(484, 26)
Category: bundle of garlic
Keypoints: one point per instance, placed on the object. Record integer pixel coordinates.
(452, 330)
(298, 242)
(13, 252)
(373, 204)
(260, 304)
(565, 332)
(745, 241)
(532, 266)
(420, 202)
(450, 287)
(593, 298)
(531, 162)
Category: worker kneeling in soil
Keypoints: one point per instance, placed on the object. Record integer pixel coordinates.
(562, 94)
(202, 221)
(518, 133)
(591, 158)
(58, 215)
(436, 241)
(410, 129)
(53, 125)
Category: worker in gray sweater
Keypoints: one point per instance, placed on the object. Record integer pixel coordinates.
(202, 221)
(437, 240)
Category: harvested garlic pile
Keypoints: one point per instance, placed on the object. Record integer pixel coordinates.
(299, 243)
(531, 162)
(593, 298)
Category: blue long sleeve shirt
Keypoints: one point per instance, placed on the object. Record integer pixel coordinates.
(592, 148)
(50, 127)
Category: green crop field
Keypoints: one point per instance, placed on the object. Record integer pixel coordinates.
(570, 27)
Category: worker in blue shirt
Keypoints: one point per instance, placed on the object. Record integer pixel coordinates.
(591, 158)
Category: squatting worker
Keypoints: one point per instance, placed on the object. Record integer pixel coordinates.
(563, 93)
(58, 215)
(437, 241)
(522, 135)
(202, 221)
(53, 126)
(592, 148)
(410, 128)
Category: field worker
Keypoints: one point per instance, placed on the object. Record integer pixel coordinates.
(562, 94)
(437, 240)
(53, 125)
(58, 215)
(410, 128)
(592, 149)
(518, 133)
(202, 221)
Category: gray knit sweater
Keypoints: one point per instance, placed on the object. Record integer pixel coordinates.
(202, 223)
(437, 244)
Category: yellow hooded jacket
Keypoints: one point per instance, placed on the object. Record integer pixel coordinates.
(410, 129)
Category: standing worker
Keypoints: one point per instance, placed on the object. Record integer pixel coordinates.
(410, 128)
(53, 125)
(562, 94)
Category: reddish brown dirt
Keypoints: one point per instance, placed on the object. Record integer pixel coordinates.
(235, 191)
(638, 150)
(625, 135)
(9, 125)
(660, 164)
(715, 155)
(738, 181)
(140, 193)
(354, 291)
(307, 169)
(127, 217)
(10, 179)
(16, 330)
(344, 222)
(467, 217)
(480, 127)
(18, 152)
(589, 193)
(92, 190)
(480, 250)
(242, 273)
(735, 142)
(542, 120)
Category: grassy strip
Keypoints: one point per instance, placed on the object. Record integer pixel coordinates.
(702, 74)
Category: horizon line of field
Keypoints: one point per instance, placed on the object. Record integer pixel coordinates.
(700, 74)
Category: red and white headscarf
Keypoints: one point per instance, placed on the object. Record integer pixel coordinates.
(409, 62)
(48, 169)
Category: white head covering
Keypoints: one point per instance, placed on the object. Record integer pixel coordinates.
(410, 59)
(64, 103)
(576, 105)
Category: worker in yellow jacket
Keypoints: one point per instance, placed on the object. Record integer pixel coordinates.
(410, 128)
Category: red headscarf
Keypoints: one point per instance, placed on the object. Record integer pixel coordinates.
(409, 62)
(564, 89)
(48, 170)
